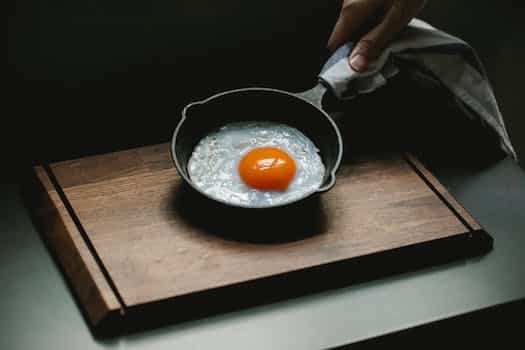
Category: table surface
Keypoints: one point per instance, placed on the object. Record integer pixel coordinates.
(34, 296)
(495, 196)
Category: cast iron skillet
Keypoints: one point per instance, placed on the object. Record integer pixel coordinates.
(302, 111)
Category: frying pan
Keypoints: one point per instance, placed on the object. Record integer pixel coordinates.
(302, 111)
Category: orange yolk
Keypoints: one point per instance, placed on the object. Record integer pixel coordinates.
(267, 168)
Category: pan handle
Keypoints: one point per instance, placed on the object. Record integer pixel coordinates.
(314, 95)
(336, 75)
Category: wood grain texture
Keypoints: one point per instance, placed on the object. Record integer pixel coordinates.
(465, 215)
(89, 284)
(157, 244)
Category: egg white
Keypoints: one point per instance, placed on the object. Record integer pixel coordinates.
(213, 165)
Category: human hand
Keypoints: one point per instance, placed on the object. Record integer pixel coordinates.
(389, 17)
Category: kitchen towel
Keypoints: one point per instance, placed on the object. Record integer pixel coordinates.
(433, 53)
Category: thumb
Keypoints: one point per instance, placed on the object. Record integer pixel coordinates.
(354, 13)
(371, 45)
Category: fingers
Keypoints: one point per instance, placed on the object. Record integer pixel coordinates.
(371, 44)
(362, 55)
(354, 13)
(354, 16)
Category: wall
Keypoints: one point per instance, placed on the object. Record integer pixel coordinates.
(91, 76)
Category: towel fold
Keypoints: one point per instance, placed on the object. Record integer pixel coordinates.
(435, 54)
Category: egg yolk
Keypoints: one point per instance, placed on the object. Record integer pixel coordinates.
(267, 168)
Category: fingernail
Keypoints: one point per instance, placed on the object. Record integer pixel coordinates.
(358, 62)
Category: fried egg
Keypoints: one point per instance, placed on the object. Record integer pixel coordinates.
(256, 164)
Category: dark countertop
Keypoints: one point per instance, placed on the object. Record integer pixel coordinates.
(38, 310)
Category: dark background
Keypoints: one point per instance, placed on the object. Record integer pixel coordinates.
(93, 76)
(90, 76)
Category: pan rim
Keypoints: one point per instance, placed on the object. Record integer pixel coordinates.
(321, 189)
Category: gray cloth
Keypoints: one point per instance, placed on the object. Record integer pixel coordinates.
(440, 56)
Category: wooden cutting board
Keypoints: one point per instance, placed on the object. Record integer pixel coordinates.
(138, 247)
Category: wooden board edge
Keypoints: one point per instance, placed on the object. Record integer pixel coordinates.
(458, 209)
(84, 276)
(275, 288)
